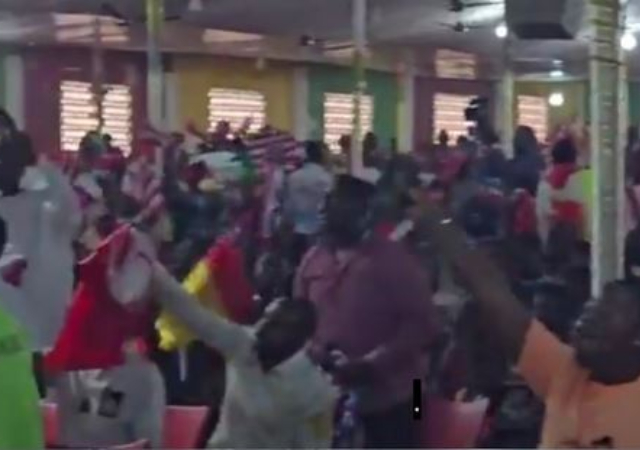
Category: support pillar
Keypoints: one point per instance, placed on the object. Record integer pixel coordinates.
(406, 116)
(155, 72)
(97, 67)
(506, 110)
(360, 42)
(301, 126)
(607, 143)
(14, 88)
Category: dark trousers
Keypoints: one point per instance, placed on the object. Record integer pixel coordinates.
(393, 428)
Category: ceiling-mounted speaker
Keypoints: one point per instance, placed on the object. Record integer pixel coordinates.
(545, 19)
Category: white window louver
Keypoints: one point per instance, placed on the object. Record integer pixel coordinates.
(339, 116)
(448, 114)
(235, 106)
(79, 114)
(534, 112)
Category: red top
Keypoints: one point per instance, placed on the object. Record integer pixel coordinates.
(98, 328)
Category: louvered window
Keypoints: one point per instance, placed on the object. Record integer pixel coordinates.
(534, 112)
(79, 114)
(448, 115)
(235, 106)
(339, 116)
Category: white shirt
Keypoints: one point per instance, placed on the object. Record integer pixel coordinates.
(290, 406)
(87, 419)
(369, 174)
(307, 190)
(42, 224)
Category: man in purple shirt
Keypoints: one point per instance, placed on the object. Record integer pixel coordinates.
(374, 305)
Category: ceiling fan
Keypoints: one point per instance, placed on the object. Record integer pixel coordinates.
(461, 27)
(325, 45)
(458, 6)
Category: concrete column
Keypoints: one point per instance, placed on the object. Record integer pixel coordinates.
(300, 107)
(172, 103)
(505, 110)
(155, 70)
(607, 143)
(14, 88)
(407, 106)
(360, 41)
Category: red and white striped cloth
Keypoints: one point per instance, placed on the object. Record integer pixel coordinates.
(142, 183)
(263, 148)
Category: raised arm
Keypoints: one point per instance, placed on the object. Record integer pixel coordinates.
(228, 338)
(486, 282)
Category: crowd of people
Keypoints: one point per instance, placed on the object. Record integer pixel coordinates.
(252, 274)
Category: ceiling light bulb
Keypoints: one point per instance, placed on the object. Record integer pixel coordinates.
(556, 99)
(502, 31)
(557, 73)
(628, 41)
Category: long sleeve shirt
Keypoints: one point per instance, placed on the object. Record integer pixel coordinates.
(289, 406)
(375, 305)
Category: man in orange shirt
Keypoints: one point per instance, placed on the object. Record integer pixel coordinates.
(591, 387)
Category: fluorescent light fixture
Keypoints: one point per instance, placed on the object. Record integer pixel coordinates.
(556, 73)
(628, 41)
(502, 31)
(556, 99)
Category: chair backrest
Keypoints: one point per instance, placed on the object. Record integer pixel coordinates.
(183, 426)
(50, 423)
(453, 424)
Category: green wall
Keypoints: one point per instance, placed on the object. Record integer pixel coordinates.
(575, 93)
(577, 102)
(382, 86)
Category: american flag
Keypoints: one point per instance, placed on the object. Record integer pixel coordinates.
(261, 146)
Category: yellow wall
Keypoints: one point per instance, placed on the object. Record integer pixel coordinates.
(196, 75)
(575, 93)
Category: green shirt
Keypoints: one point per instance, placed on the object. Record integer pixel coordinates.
(20, 418)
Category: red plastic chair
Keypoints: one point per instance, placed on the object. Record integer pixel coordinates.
(50, 423)
(453, 424)
(183, 426)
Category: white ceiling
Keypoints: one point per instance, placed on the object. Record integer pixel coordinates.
(393, 24)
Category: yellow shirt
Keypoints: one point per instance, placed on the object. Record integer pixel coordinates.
(579, 413)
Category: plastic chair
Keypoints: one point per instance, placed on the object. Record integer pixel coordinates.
(50, 423)
(183, 426)
(453, 424)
